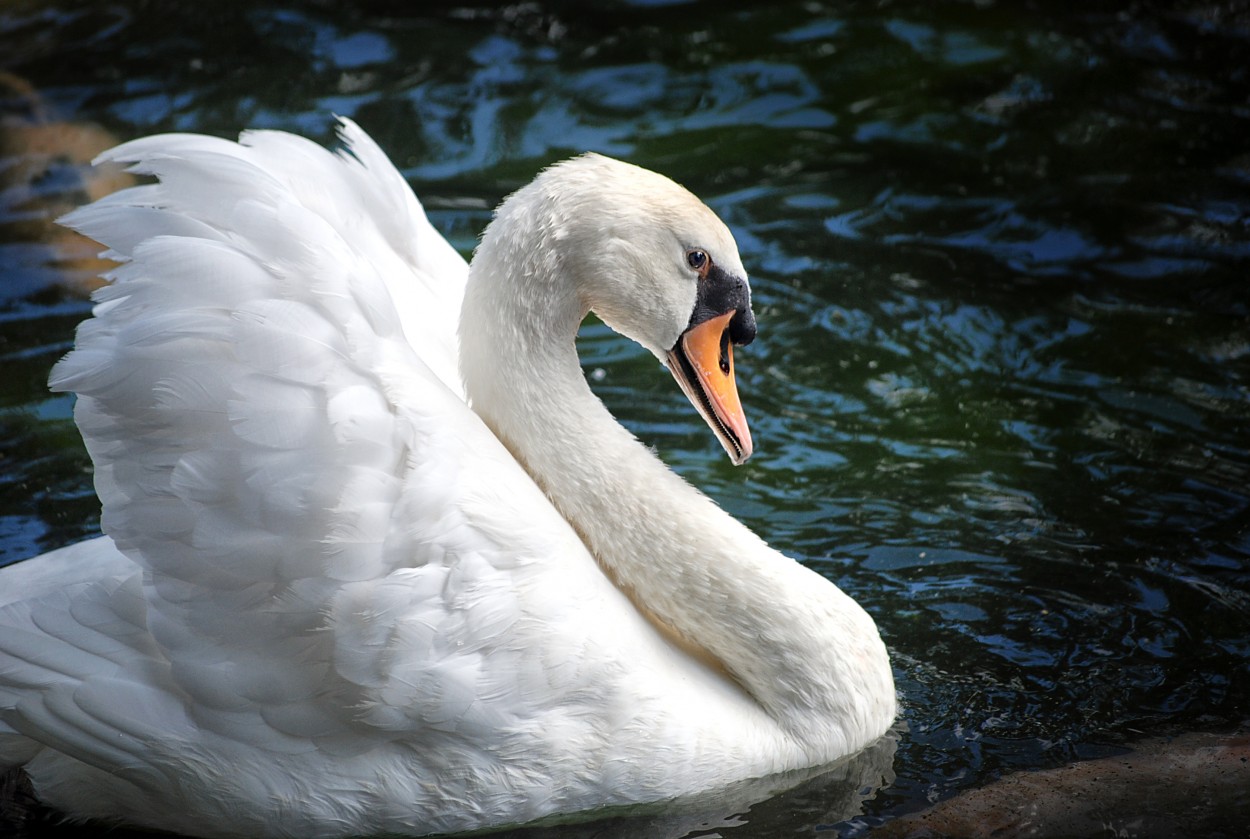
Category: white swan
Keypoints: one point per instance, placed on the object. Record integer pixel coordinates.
(333, 600)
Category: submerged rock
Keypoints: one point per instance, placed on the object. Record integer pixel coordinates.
(1190, 785)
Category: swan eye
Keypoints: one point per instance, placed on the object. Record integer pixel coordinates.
(697, 260)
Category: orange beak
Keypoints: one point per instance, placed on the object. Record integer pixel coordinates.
(703, 364)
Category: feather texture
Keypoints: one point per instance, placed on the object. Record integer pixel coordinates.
(330, 601)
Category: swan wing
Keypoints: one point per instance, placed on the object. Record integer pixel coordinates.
(209, 186)
(334, 551)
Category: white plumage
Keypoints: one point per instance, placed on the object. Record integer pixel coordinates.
(331, 601)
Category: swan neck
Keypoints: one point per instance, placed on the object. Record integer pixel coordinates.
(797, 646)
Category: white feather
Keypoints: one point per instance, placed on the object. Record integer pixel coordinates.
(330, 601)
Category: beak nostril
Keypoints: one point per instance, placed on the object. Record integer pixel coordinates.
(742, 327)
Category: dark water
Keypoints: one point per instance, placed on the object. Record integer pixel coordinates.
(1001, 392)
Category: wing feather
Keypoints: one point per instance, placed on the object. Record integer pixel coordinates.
(323, 551)
(268, 391)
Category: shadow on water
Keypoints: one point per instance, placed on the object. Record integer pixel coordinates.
(1001, 393)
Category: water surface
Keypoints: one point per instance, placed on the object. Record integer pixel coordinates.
(1001, 392)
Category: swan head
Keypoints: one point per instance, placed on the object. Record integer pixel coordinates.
(652, 261)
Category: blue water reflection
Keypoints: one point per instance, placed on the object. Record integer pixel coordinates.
(1002, 388)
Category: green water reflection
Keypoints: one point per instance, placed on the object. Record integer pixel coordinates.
(1002, 388)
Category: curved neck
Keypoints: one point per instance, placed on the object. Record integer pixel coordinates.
(794, 642)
